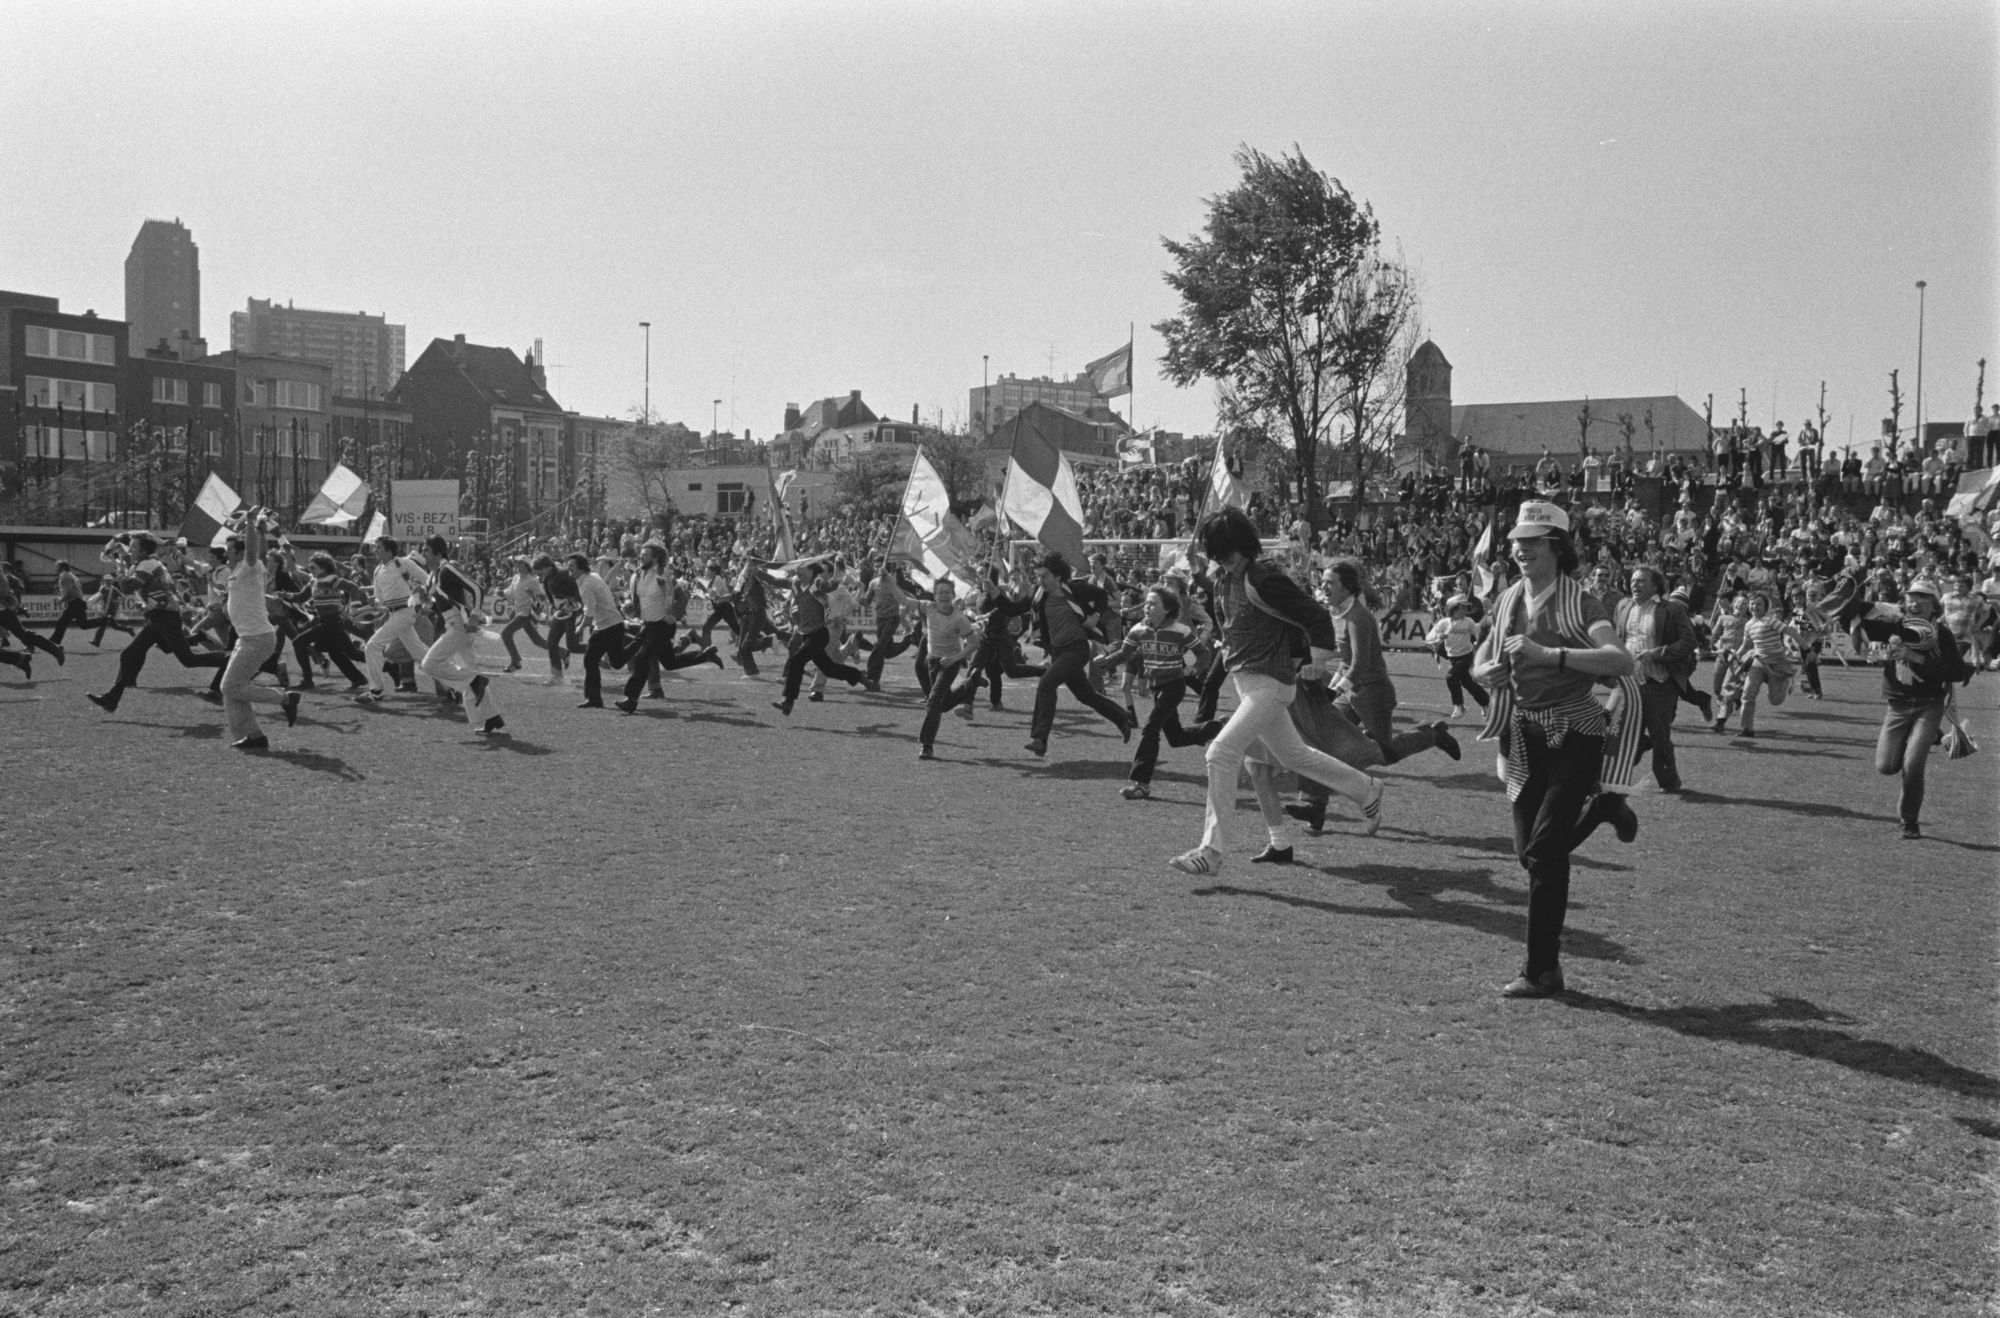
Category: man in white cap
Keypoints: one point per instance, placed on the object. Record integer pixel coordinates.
(1550, 643)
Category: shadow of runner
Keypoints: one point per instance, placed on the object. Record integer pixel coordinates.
(1814, 809)
(1794, 1025)
(503, 742)
(327, 764)
(1421, 893)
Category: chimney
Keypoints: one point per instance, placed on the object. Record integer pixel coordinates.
(916, 416)
(792, 417)
(853, 395)
(458, 344)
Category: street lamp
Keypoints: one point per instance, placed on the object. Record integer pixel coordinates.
(646, 408)
(1916, 445)
(985, 401)
(715, 420)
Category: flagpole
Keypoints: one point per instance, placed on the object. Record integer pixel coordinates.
(1131, 377)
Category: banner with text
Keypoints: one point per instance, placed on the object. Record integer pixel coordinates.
(422, 508)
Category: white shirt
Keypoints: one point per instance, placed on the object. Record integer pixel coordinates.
(598, 604)
(248, 613)
(392, 586)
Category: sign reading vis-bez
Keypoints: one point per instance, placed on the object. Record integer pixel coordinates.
(422, 508)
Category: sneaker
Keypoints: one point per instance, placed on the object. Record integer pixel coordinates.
(28, 666)
(965, 711)
(62, 656)
(1746, 735)
(212, 696)
(1372, 812)
(1199, 861)
(1458, 711)
(1548, 984)
(1911, 833)
(514, 667)
(1038, 747)
(257, 743)
(871, 686)
(291, 708)
(1272, 854)
(925, 754)
(1445, 741)
(1136, 792)
(1619, 811)
(1310, 813)
(628, 705)
(815, 696)
(783, 707)
(109, 704)
(491, 726)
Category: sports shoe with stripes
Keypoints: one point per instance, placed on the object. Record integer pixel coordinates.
(1199, 861)
(1372, 812)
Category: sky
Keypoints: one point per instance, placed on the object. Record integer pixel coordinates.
(1598, 199)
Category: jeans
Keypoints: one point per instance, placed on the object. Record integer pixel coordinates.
(886, 645)
(10, 622)
(1262, 726)
(330, 637)
(1069, 667)
(607, 644)
(240, 694)
(1658, 702)
(942, 697)
(1458, 680)
(1909, 730)
(449, 663)
(811, 649)
(399, 625)
(1163, 722)
(1560, 782)
(73, 615)
(653, 653)
(518, 623)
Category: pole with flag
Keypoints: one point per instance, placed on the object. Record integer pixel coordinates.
(204, 522)
(1040, 494)
(342, 498)
(784, 549)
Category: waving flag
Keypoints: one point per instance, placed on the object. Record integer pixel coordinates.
(1224, 489)
(204, 522)
(340, 501)
(1040, 495)
(1111, 374)
(1482, 558)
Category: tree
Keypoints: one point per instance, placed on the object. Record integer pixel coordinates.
(1289, 300)
(960, 460)
(871, 485)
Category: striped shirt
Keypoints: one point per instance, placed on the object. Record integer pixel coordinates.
(1161, 651)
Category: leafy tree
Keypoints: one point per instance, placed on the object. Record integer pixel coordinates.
(960, 460)
(1288, 299)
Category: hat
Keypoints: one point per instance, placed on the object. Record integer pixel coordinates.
(1538, 519)
(1923, 586)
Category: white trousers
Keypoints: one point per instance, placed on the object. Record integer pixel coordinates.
(449, 661)
(400, 625)
(1261, 726)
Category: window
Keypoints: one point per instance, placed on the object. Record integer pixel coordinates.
(72, 395)
(211, 395)
(257, 393)
(730, 497)
(167, 390)
(72, 345)
(298, 395)
(73, 444)
(215, 443)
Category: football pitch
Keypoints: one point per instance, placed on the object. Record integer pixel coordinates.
(709, 1010)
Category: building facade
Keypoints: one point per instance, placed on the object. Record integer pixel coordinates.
(994, 405)
(163, 287)
(282, 441)
(67, 376)
(484, 416)
(364, 351)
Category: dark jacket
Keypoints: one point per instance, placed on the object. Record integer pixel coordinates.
(1673, 632)
(1088, 600)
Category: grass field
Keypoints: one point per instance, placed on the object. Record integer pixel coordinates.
(710, 1011)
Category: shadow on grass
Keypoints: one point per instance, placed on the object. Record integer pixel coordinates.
(1814, 809)
(1422, 894)
(198, 731)
(503, 742)
(317, 763)
(1980, 1126)
(1502, 848)
(1467, 782)
(1794, 1025)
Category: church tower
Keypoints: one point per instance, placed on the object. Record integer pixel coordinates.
(1427, 405)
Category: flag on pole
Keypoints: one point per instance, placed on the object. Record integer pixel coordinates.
(1111, 374)
(205, 522)
(783, 548)
(943, 541)
(1482, 558)
(378, 526)
(341, 499)
(1976, 492)
(1040, 494)
(1224, 489)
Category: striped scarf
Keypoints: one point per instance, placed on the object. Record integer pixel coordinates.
(1617, 721)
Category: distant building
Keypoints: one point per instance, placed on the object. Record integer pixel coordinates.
(484, 416)
(1515, 434)
(601, 466)
(187, 408)
(1082, 440)
(67, 377)
(994, 405)
(163, 288)
(282, 445)
(372, 436)
(365, 352)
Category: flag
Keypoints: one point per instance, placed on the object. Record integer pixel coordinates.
(1137, 448)
(1040, 495)
(378, 526)
(340, 501)
(985, 517)
(204, 522)
(782, 482)
(783, 549)
(1111, 374)
(1224, 489)
(1483, 555)
(1976, 493)
(945, 543)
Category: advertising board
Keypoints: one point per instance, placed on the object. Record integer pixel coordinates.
(423, 508)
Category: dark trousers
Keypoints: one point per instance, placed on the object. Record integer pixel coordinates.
(10, 622)
(810, 648)
(520, 622)
(73, 614)
(1163, 722)
(163, 632)
(607, 645)
(942, 696)
(721, 611)
(329, 636)
(562, 628)
(653, 654)
(1909, 730)
(1458, 680)
(109, 622)
(1069, 667)
(997, 657)
(748, 637)
(1657, 703)
(1560, 782)
(886, 647)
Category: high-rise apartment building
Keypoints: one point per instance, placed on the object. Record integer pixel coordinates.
(365, 352)
(163, 286)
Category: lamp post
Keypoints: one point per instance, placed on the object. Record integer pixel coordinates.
(1917, 444)
(715, 424)
(985, 402)
(646, 407)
